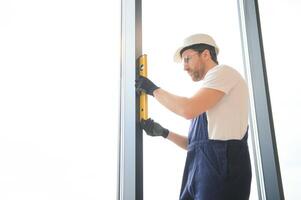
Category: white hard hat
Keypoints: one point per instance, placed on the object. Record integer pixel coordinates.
(195, 39)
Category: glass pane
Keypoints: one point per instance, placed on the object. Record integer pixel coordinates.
(59, 80)
(165, 25)
(281, 39)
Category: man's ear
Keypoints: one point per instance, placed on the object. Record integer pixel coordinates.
(206, 54)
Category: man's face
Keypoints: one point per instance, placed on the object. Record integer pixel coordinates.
(193, 64)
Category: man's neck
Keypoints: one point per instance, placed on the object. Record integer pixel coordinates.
(210, 65)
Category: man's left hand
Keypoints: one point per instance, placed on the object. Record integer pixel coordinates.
(153, 128)
(145, 85)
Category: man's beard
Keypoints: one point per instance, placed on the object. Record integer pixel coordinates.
(198, 75)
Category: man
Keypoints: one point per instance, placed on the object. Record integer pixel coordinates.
(218, 163)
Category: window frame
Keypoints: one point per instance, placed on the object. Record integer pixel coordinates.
(130, 185)
(261, 119)
(130, 163)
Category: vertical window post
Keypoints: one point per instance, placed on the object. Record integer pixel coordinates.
(130, 144)
(261, 112)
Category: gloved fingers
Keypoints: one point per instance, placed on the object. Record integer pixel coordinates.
(145, 85)
(146, 123)
(142, 78)
(139, 85)
(142, 123)
(142, 81)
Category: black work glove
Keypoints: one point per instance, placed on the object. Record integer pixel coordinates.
(154, 129)
(145, 85)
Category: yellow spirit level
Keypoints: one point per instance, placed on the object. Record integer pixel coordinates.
(143, 97)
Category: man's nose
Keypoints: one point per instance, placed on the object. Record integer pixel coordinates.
(186, 66)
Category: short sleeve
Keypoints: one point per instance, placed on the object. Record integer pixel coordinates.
(222, 78)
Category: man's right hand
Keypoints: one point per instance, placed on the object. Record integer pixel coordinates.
(154, 129)
(145, 85)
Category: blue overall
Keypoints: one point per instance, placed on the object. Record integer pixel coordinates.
(215, 169)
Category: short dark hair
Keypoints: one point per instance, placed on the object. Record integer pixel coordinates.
(200, 48)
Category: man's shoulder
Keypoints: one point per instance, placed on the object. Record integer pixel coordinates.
(225, 70)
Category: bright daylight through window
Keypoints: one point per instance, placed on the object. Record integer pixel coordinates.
(59, 80)
(162, 34)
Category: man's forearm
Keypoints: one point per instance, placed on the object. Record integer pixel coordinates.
(172, 102)
(179, 140)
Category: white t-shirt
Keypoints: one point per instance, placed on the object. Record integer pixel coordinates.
(228, 119)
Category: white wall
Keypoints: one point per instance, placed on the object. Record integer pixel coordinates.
(59, 98)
